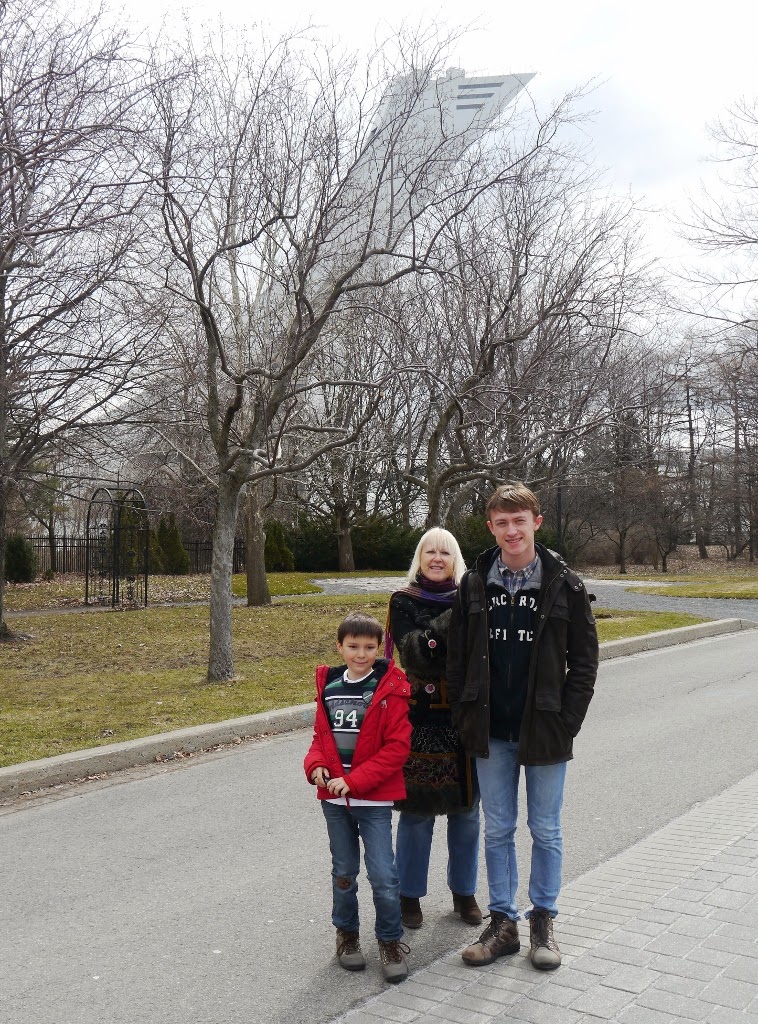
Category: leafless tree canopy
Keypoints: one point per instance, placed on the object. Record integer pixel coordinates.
(68, 195)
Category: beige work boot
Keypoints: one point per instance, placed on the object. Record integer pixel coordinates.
(349, 953)
(392, 958)
(499, 938)
(543, 949)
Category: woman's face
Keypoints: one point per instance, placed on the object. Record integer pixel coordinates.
(437, 562)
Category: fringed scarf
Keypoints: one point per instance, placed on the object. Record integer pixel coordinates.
(442, 592)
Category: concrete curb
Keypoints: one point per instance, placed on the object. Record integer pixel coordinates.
(82, 764)
(671, 637)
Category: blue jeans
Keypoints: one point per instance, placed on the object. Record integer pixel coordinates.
(498, 784)
(374, 825)
(414, 845)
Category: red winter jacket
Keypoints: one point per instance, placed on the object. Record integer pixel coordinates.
(383, 745)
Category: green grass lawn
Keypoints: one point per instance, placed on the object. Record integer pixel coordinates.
(705, 587)
(82, 680)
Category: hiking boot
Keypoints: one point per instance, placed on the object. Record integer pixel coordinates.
(349, 951)
(410, 912)
(499, 938)
(468, 908)
(543, 951)
(392, 958)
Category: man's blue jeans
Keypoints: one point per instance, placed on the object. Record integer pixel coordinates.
(498, 784)
(414, 845)
(374, 825)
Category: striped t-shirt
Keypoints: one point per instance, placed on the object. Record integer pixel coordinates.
(346, 701)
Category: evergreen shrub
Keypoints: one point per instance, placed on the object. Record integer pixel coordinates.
(313, 543)
(20, 560)
(175, 558)
(472, 535)
(279, 556)
(381, 543)
(156, 566)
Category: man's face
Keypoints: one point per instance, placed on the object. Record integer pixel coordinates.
(514, 533)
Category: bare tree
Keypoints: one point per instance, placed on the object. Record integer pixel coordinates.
(723, 222)
(290, 192)
(67, 193)
(519, 333)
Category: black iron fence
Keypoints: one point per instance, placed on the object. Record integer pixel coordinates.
(71, 554)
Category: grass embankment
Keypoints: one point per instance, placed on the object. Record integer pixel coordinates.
(705, 587)
(83, 680)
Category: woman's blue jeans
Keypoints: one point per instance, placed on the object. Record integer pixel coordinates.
(414, 845)
(374, 825)
(498, 785)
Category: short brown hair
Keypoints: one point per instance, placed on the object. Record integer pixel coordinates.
(513, 497)
(358, 624)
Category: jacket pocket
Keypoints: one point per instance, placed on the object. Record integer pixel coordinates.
(551, 740)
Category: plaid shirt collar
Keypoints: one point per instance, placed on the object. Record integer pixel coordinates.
(513, 581)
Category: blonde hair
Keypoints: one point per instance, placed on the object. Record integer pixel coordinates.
(438, 536)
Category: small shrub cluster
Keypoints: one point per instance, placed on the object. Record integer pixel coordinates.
(20, 561)
(168, 549)
(279, 556)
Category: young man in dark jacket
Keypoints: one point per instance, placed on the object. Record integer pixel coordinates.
(522, 661)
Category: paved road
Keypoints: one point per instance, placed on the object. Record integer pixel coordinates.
(200, 891)
(609, 594)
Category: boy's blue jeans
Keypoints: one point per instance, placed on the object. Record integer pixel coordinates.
(498, 785)
(374, 826)
(414, 845)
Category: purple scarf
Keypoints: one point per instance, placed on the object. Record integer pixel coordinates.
(442, 592)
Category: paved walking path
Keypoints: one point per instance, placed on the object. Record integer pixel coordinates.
(666, 931)
(609, 594)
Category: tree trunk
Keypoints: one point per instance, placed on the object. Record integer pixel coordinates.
(4, 631)
(691, 482)
(622, 552)
(737, 503)
(434, 497)
(345, 558)
(52, 545)
(220, 660)
(255, 552)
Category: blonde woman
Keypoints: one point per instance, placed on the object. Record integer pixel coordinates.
(439, 777)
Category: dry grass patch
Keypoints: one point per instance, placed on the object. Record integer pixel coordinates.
(68, 591)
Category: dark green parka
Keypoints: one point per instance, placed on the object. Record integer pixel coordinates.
(562, 666)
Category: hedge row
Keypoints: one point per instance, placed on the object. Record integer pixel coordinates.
(378, 543)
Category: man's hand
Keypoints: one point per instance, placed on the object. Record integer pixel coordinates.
(338, 787)
(320, 776)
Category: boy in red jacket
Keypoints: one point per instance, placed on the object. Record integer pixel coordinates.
(361, 740)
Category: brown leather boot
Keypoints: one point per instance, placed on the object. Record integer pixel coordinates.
(543, 952)
(499, 938)
(468, 908)
(410, 912)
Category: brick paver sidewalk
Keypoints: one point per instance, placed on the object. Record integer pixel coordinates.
(667, 931)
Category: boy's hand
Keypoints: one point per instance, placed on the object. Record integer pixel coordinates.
(338, 787)
(320, 776)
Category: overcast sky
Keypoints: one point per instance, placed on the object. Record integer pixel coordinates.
(665, 68)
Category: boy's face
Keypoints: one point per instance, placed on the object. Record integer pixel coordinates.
(359, 654)
(514, 533)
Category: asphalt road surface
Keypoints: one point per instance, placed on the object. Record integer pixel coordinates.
(200, 892)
